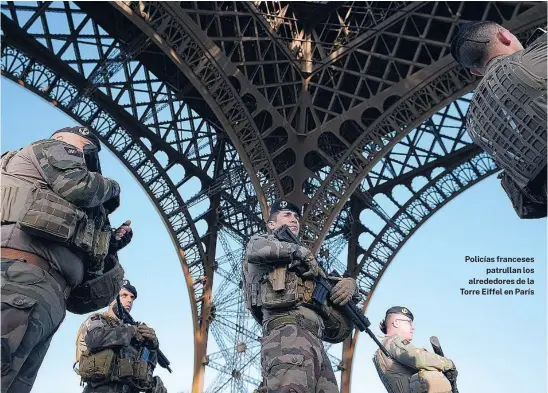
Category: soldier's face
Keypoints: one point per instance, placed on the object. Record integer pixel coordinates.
(286, 217)
(405, 327)
(127, 298)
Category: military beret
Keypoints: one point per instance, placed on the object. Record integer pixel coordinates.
(127, 286)
(400, 310)
(282, 204)
(84, 132)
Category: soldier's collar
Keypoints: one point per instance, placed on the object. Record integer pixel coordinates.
(110, 315)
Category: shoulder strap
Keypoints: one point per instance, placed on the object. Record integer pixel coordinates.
(78, 346)
(111, 319)
(6, 157)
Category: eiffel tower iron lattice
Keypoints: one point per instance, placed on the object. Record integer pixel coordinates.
(351, 109)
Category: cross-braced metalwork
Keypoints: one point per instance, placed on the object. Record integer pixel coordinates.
(352, 109)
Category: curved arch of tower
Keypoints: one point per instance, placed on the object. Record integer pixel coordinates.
(352, 109)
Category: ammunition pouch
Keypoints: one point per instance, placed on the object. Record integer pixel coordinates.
(274, 295)
(38, 210)
(93, 242)
(140, 371)
(50, 217)
(125, 368)
(291, 289)
(337, 326)
(427, 381)
(97, 367)
(107, 365)
(136, 370)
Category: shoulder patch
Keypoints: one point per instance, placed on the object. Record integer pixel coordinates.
(64, 156)
(72, 152)
(95, 317)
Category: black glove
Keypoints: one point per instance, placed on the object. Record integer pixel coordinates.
(451, 375)
(528, 202)
(113, 203)
(121, 237)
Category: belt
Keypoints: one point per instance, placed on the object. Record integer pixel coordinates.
(36, 260)
(298, 320)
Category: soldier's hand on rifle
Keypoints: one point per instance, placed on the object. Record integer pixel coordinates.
(137, 335)
(149, 336)
(451, 374)
(343, 291)
(121, 237)
(303, 256)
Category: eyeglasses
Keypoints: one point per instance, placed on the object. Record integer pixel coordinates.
(405, 320)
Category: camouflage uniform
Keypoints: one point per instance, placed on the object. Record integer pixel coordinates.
(292, 355)
(406, 359)
(101, 331)
(33, 300)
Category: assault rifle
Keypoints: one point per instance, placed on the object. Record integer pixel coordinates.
(323, 288)
(451, 375)
(126, 317)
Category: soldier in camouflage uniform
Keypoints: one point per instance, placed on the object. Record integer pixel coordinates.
(42, 278)
(409, 369)
(131, 348)
(507, 114)
(292, 355)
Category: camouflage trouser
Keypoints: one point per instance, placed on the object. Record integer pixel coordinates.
(33, 307)
(294, 361)
(117, 387)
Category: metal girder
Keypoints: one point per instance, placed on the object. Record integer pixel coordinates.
(296, 117)
(230, 95)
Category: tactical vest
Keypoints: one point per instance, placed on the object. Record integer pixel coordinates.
(129, 365)
(40, 212)
(279, 288)
(507, 114)
(274, 289)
